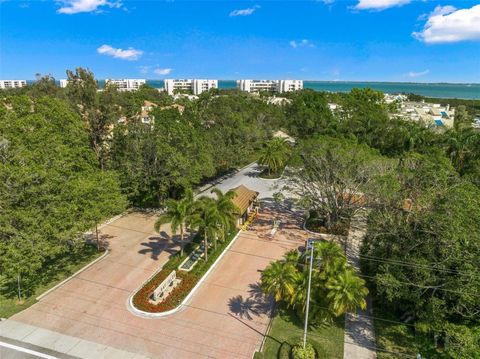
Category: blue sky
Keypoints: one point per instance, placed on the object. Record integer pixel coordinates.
(359, 40)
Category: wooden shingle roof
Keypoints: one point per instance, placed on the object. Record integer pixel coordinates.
(244, 197)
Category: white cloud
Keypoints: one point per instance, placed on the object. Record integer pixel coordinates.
(144, 69)
(447, 24)
(162, 72)
(129, 54)
(244, 12)
(417, 74)
(379, 4)
(301, 43)
(77, 6)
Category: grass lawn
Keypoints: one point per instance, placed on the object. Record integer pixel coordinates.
(287, 330)
(50, 275)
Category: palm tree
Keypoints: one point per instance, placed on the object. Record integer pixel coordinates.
(332, 259)
(346, 292)
(279, 280)
(208, 220)
(459, 146)
(275, 154)
(299, 295)
(292, 257)
(177, 214)
(227, 210)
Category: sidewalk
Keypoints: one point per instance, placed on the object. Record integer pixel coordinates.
(359, 329)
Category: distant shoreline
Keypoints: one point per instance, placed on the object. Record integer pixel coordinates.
(439, 90)
(324, 81)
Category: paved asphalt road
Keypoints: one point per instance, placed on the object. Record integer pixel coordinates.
(13, 349)
(247, 176)
(88, 317)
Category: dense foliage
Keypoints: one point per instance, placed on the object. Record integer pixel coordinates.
(335, 287)
(299, 352)
(274, 156)
(50, 186)
(334, 176)
(69, 158)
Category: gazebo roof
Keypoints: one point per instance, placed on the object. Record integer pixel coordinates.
(244, 197)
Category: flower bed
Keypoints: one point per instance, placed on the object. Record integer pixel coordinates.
(141, 299)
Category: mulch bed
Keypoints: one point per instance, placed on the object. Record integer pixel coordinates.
(141, 299)
(317, 225)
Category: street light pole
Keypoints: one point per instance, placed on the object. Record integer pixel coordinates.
(309, 243)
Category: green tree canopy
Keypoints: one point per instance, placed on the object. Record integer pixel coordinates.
(50, 188)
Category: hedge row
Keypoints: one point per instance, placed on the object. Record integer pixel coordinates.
(141, 299)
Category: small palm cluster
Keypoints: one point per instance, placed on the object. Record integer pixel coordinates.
(274, 155)
(335, 288)
(212, 218)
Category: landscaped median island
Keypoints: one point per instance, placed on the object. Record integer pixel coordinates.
(271, 175)
(142, 300)
(316, 223)
(216, 222)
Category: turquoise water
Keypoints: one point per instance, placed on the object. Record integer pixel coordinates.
(441, 90)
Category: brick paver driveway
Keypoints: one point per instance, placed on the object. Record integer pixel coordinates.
(226, 318)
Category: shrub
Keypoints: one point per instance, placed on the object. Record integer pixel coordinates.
(298, 352)
(284, 351)
(141, 299)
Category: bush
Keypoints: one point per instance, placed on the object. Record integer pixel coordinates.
(284, 351)
(298, 352)
(141, 299)
(316, 223)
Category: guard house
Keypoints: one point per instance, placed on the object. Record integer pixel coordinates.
(246, 201)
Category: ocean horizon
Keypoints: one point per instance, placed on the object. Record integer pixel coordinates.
(466, 91)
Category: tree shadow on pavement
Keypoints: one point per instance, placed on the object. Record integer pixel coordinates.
(256, 304)
(157, 245)
(104, 241)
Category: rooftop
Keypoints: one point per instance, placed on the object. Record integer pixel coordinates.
(244, 197)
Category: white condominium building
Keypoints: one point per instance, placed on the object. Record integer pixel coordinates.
(63, 83)
(290, 85)
(126, 84)
(200, 86)
(10, 84)
(277, 86)
(195, 86)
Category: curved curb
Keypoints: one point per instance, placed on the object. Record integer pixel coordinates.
(274, 179)
(325, 236)
(269, 179)
(73, 275)
(140, 313)
(308, 231)
(219, 180)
